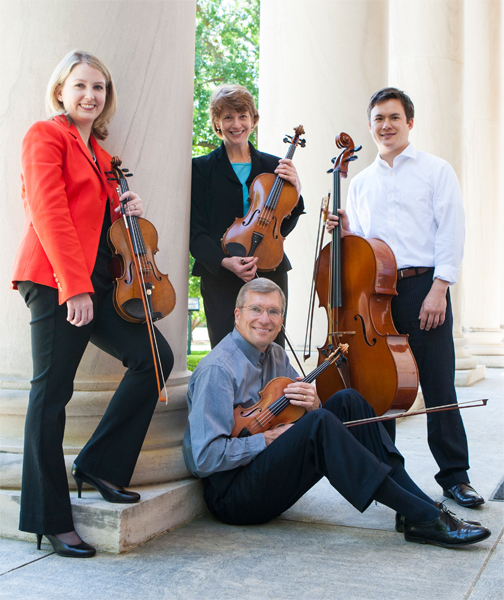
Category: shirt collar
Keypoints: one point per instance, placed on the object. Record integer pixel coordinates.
(253, 354)
(409, 152)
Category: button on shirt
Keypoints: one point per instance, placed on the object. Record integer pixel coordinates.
(415, 207)
(233, 373)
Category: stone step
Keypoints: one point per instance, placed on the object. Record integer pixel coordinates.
(117, 528)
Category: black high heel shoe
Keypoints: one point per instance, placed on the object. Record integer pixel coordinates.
(120, 496)
(81, 550)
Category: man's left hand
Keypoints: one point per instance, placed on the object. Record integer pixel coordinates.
(302, 394)
(433, 309)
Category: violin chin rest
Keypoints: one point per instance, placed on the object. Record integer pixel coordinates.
(234, 249)
(134, 309)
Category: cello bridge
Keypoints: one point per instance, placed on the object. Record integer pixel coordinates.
(338, 333)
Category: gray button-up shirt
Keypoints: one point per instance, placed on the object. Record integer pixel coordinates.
(233, 373)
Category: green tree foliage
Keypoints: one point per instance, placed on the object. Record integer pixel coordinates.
(227, 51)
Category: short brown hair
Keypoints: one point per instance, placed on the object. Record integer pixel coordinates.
(62, 71)
(391, 93)
(231, 97)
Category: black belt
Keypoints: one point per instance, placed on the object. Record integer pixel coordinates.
(413, 271)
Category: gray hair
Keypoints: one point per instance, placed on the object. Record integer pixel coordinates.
(261, 285)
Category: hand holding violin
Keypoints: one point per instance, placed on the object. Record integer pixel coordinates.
(245, 268)
(302, 394)
(286, 170)
(134, 206)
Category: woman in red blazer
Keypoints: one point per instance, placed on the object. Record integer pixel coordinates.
(61, 270)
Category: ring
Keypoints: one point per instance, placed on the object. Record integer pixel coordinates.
(134, 206)
(304, 397)
(242, 261)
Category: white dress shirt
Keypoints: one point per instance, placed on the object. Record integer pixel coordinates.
(415, 207)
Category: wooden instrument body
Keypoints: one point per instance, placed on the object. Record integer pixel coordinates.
(380, 364)
(261, 223)
(128, 289)
(258, 418)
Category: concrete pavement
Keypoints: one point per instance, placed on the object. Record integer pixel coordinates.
(322, 548)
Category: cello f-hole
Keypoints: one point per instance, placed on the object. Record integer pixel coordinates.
(364, 333)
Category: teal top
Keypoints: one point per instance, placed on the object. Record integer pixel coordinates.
(242, 171)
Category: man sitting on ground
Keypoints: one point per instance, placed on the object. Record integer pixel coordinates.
(251, 480)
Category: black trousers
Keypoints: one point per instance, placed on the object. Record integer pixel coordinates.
(434, 353)
(112, 451)
(219, 298)
(355, 460)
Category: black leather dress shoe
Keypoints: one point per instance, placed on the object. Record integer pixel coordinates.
(81, 550)
(446, 530)
(399, 519)
(120, 496)
(464, 495)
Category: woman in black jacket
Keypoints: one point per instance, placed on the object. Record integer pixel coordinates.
(220, 182)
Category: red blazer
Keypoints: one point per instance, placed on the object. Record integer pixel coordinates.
(64, 196)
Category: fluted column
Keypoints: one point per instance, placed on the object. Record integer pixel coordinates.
(483, 179)
(319, 64)
(149, 48)
(426, 60)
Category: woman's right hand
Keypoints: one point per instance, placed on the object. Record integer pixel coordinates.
(80, 309)
(333, 220)
(244, 268)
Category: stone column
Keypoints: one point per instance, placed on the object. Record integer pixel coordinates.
(483, 180)
(426, 60)
(149, 48)
(319, 64)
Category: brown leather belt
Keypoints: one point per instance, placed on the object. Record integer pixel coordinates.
(412, 271)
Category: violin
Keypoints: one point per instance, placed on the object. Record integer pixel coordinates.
(133, 240)
(356, 282)
(271, 199)
(142, 294)
(267, 414)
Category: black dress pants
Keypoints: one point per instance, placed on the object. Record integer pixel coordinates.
(219, 298)
(435, 357)
(356, 460)
(112, 451)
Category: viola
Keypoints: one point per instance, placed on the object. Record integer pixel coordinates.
(356, 282)
(271, 199)
(268, 413)
(142, 294)
(134, 240)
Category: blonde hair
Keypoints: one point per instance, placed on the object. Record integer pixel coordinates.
(54, 107)
(231, 97)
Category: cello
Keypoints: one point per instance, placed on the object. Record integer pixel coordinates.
(356, 282)
(142, 294)
(272, 199)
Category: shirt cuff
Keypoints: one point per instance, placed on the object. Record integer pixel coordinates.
(446, 273)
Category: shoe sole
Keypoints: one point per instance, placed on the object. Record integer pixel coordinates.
(416, 540)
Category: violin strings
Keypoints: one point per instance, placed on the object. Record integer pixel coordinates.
(282, 402)
(274, 195)
(136, 235)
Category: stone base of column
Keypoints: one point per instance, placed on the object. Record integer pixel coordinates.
(468, 370)
(466, 377)
(487, 347)
(117, 528)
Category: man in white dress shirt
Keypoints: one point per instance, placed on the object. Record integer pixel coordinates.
(412, 201)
